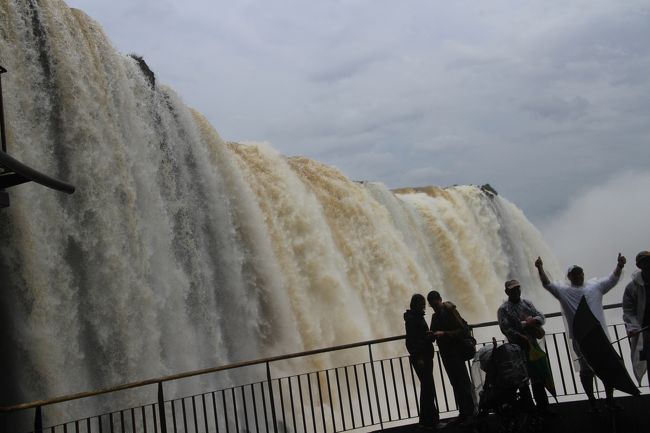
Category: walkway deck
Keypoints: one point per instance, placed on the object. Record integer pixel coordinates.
(572, 417)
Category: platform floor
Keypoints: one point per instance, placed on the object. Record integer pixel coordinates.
(571, 417)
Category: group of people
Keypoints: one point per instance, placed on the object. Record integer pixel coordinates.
(522, 324)
(447, 328)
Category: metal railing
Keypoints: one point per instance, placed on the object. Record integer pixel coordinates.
(358, 396)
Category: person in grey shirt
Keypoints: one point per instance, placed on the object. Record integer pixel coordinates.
(521, 322)
(569, 296)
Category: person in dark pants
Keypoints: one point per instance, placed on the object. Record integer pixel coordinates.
(636, 315)
(521, 322)
(419, 343)
(448, 330)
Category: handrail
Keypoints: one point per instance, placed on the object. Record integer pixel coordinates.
(37, 403)
(132, 385)
(557, 314)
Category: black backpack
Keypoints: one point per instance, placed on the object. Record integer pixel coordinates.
(467, 343)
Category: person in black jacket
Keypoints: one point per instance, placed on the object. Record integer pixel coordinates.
(448, 331)
(420, 347)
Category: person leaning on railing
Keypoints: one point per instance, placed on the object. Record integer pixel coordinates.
(636, 315)
(449, 329)
(419, 343)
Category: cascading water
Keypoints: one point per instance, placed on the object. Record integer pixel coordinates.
(179, 251)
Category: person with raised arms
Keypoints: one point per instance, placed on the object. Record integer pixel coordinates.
(570, 296)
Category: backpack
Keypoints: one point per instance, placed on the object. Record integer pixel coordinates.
(467, 343)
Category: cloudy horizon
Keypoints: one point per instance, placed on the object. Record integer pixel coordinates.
(546, 101)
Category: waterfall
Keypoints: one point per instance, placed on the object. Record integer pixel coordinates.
(179, 251)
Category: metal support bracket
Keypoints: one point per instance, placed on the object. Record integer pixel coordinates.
(14, 172)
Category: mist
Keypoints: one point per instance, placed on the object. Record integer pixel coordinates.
(601, 222)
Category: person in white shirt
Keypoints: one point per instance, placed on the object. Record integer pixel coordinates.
(569, 296)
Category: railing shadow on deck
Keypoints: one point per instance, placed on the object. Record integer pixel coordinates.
(367, 392)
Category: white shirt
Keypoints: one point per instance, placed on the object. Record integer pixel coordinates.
(593, 291)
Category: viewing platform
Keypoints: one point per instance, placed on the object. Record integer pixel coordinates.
(363, 387)
(570, 417)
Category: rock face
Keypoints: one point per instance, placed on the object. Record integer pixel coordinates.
(151, 77)
(487, 188)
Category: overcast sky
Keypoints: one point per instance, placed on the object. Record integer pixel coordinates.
(548, 101)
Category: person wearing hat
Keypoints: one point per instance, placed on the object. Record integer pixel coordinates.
(521, 323)
(448, 329)
(569, 296)
(636, 315)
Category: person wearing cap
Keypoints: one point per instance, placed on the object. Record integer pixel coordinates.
(569, 296)
(448, 330)
(521, 323)
(636, 315)
(419, 343)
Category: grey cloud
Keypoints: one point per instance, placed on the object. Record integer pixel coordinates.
(438, 143)
(540, 99)
(609, 217)
(337, 71)
(559, 109)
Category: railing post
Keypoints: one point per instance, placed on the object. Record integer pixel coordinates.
(374, 382)
(38, 420)
(161, 409)
(268, 380)
(3, 137)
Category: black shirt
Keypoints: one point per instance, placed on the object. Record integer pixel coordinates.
(446, 320)
(418, 343)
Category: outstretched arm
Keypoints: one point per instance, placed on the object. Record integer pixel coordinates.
(542, 275)
(608, 283)
(552, 289)
(620, 263)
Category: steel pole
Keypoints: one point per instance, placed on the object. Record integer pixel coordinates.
(161, 408)
(270, 384)
(3, 137)
(374, 380)
(38, 420)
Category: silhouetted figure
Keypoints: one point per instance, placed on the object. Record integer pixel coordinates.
(570, 296)
(505, 389)
(636, 315)
(521, 323)
(420, 347)
(449, 330)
